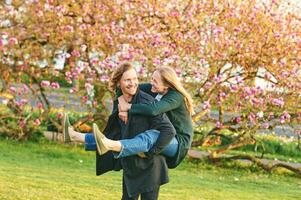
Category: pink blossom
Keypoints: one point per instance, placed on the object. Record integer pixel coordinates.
(95, 103)
(82, 26)
(72, 90)
(1, 43)
(22, 123)
(23, 101)
(271, 115)
(217, 30)
(255, 101)
(277, 35)
(252, 117)
(88, 86)
(56, 73)
(59, 115)
(40, 105)
(68, 28)
(143, 59)
(156, 61)
(45, 83)
(25, 88)
(259, 114)
(222, 95)
(286, 115)
(75, 53)
(248, 91)
(104, 78)
(85, 99)
(55, 85)
(218, 124)
(237, 29)
(267, 76)
(68, 74)
(94, 61)
(175, 13)
(278, 102)
(218, 79)
(206, 105)
(237, 120)
(37, 122)
(12, 41)
(12, 89)
(141, 70)
(127, 57)
(238, 80)
(234, 88)
(282, 61)
(282, 120)
(265, 125)
(208, 85)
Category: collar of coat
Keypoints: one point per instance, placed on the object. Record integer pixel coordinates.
(133, 101)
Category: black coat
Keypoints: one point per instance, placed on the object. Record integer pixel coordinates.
(139, 174)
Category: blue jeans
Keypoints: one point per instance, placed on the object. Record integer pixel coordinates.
(140, 143)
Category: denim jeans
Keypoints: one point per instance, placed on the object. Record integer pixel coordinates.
(140, 143)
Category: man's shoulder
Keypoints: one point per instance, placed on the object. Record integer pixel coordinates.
(144, 97)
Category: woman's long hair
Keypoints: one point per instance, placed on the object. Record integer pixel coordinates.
(170, 79)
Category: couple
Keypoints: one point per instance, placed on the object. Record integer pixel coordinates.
(139, 138)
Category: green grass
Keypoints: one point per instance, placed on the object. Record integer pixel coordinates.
(55, 171)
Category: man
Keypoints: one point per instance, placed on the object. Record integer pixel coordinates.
(141, 176)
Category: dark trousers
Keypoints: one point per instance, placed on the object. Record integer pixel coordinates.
(152, 195)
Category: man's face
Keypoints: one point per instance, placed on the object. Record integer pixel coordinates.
(129, 82)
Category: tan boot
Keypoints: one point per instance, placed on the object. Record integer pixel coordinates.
(101, 147)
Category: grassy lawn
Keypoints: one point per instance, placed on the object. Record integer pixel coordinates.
(55, 171)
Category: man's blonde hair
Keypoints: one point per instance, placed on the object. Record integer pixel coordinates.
(117, 74)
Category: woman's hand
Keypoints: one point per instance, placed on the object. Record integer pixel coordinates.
(123, 106)
(123, 116)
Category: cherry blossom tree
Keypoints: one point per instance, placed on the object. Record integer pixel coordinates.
(238, 58)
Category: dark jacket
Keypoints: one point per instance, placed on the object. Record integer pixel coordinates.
(139, 174)
(173, 105)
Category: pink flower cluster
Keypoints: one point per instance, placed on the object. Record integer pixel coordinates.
(277, 101)
(285, 117)
(206, 105)
(53, 85)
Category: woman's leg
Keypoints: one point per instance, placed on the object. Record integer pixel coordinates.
(89, 140)
(127, 147)
(76, 136)
(139, 144)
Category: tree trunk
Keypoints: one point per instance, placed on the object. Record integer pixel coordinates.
(3, 85)
(234, 145)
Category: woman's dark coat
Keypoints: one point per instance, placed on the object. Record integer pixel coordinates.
(173, 105)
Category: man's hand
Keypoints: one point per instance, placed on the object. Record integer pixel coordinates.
(123, 116)
(123, 106)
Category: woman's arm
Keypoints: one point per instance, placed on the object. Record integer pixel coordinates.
(124, 106)
(146, 87)
(170, 101)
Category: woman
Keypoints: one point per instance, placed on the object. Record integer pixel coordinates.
(172, 100)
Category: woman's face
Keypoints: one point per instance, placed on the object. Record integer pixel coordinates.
(157, 84)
